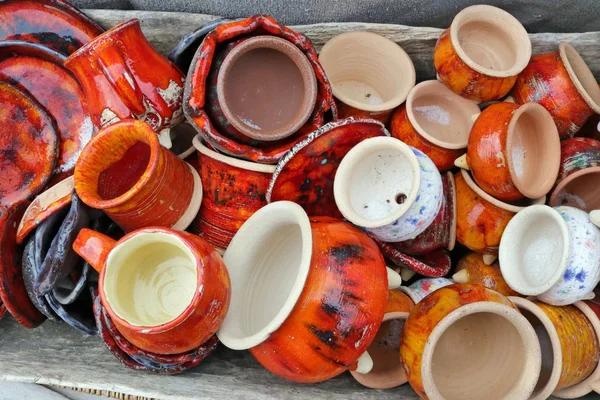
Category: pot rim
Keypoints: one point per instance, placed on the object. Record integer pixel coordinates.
(566, 50)
(453, 200)
(568, 179)
(234, 162)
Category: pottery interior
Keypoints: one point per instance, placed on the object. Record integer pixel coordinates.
(491, 41)
(367, 71)
(267, 88)
(580, 190)
(580, 75)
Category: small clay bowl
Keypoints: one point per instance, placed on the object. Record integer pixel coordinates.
(473, 269)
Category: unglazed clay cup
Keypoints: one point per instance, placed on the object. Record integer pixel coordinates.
(480, 55)
(125, 172)
(296, 285)
(465, 330)
(552, 253)
(514, 151)
(369, 74)
(391, 190)
(166, 291)
(473, 269)
(563, 83)
(436, 121)
(422, 288)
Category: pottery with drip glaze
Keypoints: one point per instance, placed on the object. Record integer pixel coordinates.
(436, 263)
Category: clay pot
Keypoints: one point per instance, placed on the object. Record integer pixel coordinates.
(125, 172)
(564, 85)
(422, 288)
(433, 264)
(579, 174)
(233, 190)
(436, 121)
(472, 269)
(455, 332)
(514, 151)
(552, 253)
(480, 55)
(296, 284)
(370, 75)
(391, 190)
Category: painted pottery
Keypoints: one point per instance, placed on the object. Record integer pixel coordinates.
(233, 190)
(481, 54)
(433, 264)
(446, 334)
(78, 316)
(295, 284)
(473, 269)
(196, 89)
(579, 175)
(552, 253)
(436, 121)
(422, 288)
(370, 75)
(125, 172)
(179, 297)
(68, 290)
(30, 273)
(305, 175)
(564, 85)
(391, 190)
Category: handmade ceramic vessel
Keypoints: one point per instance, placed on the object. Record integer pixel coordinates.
(370, 75)
(562, 83)
(295, 285)
(579, 175)
(125, 172)
(433, 264)
(473, 269)
(180, 293)
(391, 190)
(552, 253)
(422, 288)
(436, 121)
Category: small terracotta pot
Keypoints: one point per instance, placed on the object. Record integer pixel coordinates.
(481, 54)
(472, 269)
(436, 121)
(125, 172)
(233, 190)
(564, 85)
(422, 288)
(514, 151)
(369, 74)
(166, 291)
(570, 350)
(446, 335)
(391, 190)
(579, 175)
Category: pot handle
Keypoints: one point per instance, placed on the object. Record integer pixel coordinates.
(394, 279)
(595, 217)
(462, 162)
(93, 247)
(364, 364)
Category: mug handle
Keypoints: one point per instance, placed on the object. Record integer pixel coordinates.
(93, 247)
(595, 217)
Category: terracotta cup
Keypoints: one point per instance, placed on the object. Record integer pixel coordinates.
(473, 269)
(579, 175)
(422, 288)
(481, 54)
(297, 284)
(436, 121)
(462, 331)
(233, 190)
(552, 253)
(166, 291)
(369, 74)
(514, 151)
(388, 188)
(563, 83)
(123, 77)
(125, 171)
(569, 343)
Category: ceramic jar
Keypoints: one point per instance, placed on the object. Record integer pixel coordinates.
(436, 121)
(480, 55)
(369, 74)
(562, 83)
(472, 269)
(446, 334)
(391, 190)
(552, 253)
(422, 288)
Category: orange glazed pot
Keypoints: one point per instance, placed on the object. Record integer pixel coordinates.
(473, 269)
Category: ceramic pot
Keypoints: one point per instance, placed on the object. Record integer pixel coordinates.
(564, 85)
(391, 190)
(422, 288)
(472, 269)
(579, 174)
(480, 55)
(296, 284)
(166, 291)
(570, 350)
(552, 253)
(436, 121)
(124, 77)
(514, 151)
(370, 75)
(125, 172)
(436, 263)
(233, 190)
(446, 335)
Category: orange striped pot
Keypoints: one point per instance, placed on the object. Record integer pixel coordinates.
(473, 269)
